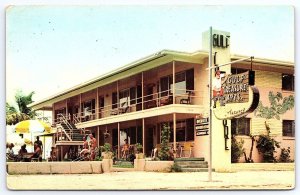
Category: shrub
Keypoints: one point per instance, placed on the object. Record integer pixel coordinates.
(106, 147)
(98, 158)
(165, 136)
(139, 147)
(236, 150)
(175, 168)
(285, 155)
(266, 145)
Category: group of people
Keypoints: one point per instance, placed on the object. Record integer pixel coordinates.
(89, 148)
(38, 145)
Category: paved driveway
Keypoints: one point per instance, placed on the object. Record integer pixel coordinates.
(157, 181)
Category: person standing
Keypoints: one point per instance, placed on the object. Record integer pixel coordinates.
(217, 89)
(93, 145)
(39, 143)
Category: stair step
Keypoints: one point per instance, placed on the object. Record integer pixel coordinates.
(194, 166)
(189, 159)
(117, 169)
(195, 169)
(191, 163)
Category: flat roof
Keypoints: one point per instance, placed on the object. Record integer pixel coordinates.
(155, 60)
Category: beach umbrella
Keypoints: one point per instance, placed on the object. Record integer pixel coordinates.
(32, 126)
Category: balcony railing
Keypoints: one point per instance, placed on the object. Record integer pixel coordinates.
(150, 101)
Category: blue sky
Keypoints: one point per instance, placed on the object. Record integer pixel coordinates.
(49, 49)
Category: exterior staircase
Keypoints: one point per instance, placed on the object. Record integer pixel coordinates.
(192, 164)
(69, 130)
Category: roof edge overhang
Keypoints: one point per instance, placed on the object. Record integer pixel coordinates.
(138, 66)
(143, 64)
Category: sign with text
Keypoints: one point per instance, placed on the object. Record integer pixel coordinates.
(202, 126)
(236, 88)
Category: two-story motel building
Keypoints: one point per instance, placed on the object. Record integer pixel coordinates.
(172, 87)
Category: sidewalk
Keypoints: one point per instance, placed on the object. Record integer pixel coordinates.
(155, 181)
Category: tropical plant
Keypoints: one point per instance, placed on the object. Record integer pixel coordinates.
(139, 147)
(278, 106)
(22, 112)
(106, 148)
(266, 145)
(165, 136)
(285, 155)
(237, 149)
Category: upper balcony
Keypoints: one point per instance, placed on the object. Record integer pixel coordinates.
(167, 89)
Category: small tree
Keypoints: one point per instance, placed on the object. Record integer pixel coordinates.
(236, 149)
(165, 136)
(266, 145)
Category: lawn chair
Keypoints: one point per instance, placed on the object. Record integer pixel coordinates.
(84, 155)
(186, 147)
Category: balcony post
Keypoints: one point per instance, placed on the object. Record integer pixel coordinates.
(174, 134)
(173, 87)
(143, 120)
(67, 112)
(80, 107)
(118, 140)
(118, 96)
(97, 110)
(142, 90)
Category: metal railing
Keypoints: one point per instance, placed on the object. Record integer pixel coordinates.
(155, 100)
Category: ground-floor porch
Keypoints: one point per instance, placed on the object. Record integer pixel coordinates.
(147, 132)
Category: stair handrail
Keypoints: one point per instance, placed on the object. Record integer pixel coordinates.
(63, 119)
(63, 130)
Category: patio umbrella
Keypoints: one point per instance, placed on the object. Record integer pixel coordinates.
(32, 126)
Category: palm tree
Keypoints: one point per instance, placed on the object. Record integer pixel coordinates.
(22, 112)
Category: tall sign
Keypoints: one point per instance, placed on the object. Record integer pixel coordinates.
(238, 98)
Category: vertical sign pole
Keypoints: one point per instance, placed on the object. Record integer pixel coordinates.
(210, 111)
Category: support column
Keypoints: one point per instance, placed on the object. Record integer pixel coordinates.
(118, 140)
(143, 91)
(98, 137)
(61, 153)
(143, 135)
(67, 112)
(53, 114)
(80, 107)
(174, 131)
(118, 96)
(97, 104)
(173, 87)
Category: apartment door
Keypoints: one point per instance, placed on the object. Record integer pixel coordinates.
(149, 140)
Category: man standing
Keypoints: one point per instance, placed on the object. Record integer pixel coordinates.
(217, 89)
(93, 145)
(39, 143)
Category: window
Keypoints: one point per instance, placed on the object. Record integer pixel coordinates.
(288, 82)
(288, 128)
(238, 70)
(101, 101)
(184, 130)
(180, 84)
(240, 126)
(124, 98)
(183, 81)
(133, 95)
(114, 100)
(89, 106)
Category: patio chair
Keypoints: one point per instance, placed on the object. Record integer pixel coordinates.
(186, 147)
(186, 100)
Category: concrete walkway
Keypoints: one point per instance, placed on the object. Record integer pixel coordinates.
(155, 181)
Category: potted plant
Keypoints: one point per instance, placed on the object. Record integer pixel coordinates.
(139, 149)
(107, 154)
